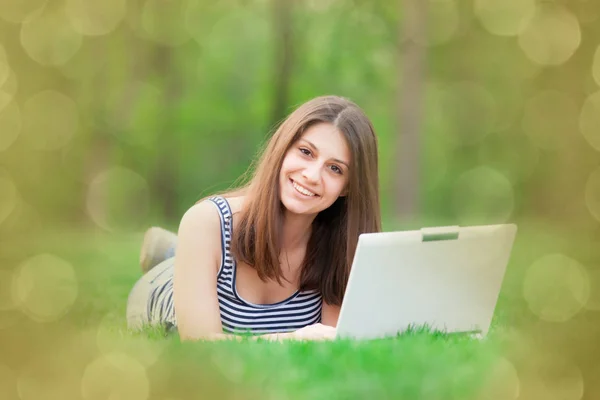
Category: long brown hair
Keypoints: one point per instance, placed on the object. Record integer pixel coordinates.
(332, 244)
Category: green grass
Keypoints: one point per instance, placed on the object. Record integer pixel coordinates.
(97, 356)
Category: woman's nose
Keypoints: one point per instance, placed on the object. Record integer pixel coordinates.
(312, 173)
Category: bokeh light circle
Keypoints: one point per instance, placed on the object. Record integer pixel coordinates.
(552, 35)
(554, 378)
(17, 11)
(592, 194)
(8, 90)
(163, 22)
(596, 66)
(110, 339)
(589, 120)
(556, 287)
(4, 66)
(517, 162)
(94, 18)
(25, 219)
(195, 14)
(6, 300)
(501, 382)
(9, 196)
(115, 376)
(45, 287)
(481, 196)
(49, 39)
(517, 342)
(593, 302)
(506, 17)
(50, 120)
(118, 199)
(550, 119)
(10, 125)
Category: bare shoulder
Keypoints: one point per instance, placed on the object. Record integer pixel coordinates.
(236, 203)
(200, 228)
(199, 237)
(203, 216)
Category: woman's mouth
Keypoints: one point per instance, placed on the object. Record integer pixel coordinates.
(302, 190)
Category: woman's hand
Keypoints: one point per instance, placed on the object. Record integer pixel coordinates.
(314, 332)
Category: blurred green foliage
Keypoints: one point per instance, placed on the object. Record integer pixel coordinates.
(179, 96)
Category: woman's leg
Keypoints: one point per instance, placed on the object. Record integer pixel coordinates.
(147, 300)
(150, 301)
(158, 245)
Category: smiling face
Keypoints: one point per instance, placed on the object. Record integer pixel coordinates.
(315, 170)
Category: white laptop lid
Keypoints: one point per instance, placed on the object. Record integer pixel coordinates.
(447, 278)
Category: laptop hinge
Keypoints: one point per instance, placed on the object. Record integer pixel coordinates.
(439, 233)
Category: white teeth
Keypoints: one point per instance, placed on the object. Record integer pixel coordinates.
(302, 190)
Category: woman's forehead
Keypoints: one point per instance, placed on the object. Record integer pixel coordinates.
(327, 139)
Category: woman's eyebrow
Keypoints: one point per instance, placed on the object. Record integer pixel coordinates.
(317, 149)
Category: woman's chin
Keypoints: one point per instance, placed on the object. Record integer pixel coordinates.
(296, 206)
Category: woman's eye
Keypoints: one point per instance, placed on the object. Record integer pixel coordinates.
(336, 169)
(305, 151)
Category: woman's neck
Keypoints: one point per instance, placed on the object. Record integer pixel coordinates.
(296, 230)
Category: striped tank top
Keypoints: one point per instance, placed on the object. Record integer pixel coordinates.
(238, 315)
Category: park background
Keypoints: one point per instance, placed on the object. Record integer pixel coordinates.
(120, 114)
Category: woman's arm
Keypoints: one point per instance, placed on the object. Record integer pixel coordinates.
(198, 256)
(330, 314)
(268, 336)
(310, 332)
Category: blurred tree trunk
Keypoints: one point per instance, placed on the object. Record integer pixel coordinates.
(102, 141)
(165, 173)
(410, 107)
(284, 54)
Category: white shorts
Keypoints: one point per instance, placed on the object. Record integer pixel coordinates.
(147, 301)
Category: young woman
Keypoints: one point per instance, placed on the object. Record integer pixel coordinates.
(273, 257)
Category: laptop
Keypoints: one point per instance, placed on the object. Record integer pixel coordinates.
(443, 278)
